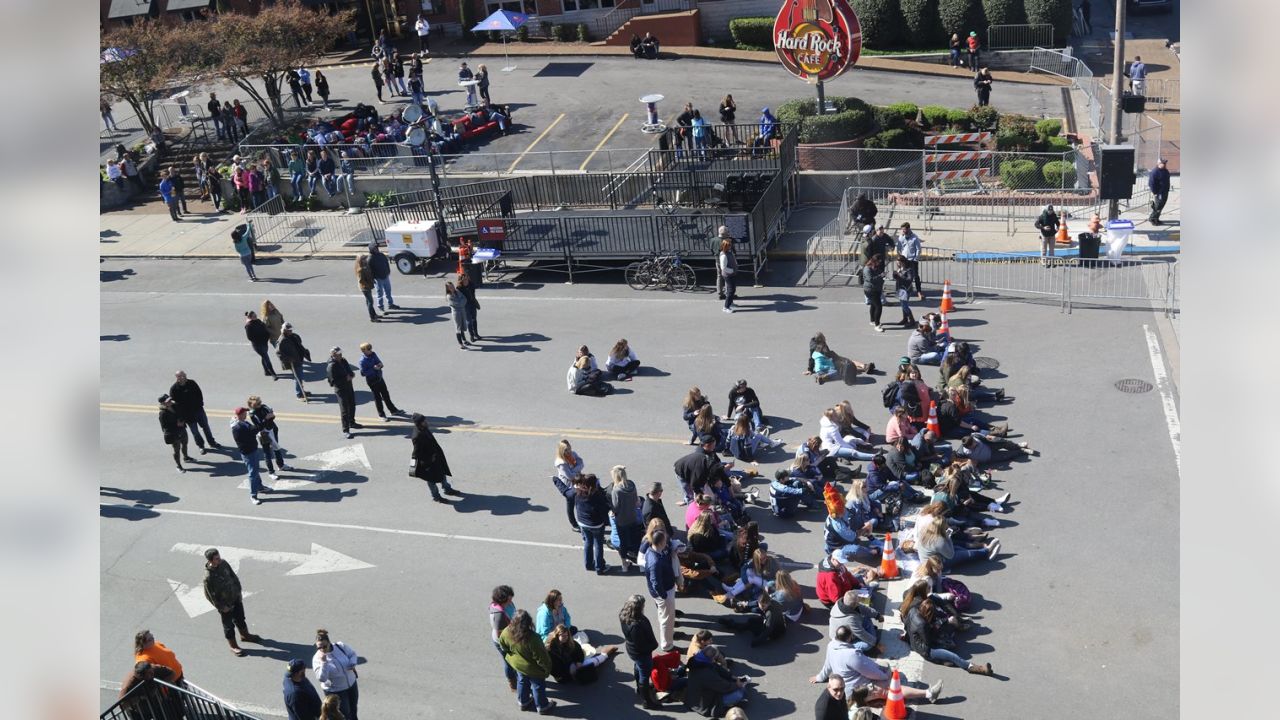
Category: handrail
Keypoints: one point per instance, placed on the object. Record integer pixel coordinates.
(172, 703)
(616, 182)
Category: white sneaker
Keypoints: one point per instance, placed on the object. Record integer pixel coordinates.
(879, 328)
(1003, 498)
(933, 692)
(726, 310)
(1024, 446)
(995, 508)
(990, 522)
(255, 500)
(994, 550)
(273, 476)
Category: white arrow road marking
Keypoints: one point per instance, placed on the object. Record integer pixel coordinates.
(320, 560)
(323, 463)
(192, 598)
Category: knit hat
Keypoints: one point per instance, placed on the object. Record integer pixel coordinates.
(973, 34)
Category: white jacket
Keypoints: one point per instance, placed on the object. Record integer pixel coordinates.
(338, 673)
(830, 436)
(611, 362)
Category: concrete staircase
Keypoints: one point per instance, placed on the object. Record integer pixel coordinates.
(675, 29)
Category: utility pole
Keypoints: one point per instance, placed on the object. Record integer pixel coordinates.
(1117, 93)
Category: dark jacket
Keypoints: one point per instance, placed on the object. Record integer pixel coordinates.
(1047, 223)
(291, 351)
(918, 632)
(658, 573)
(640, 639)
(775, 622)
(591, 509)
(469, 292)
(1158, 181)
(876, 245)
(245, 436)
(864, 210)
(301, 700)
(369, 366)
(829, 708)
(221, 586)
(900, 464)
(748, 396)
(379, 265)
(563, 656)
(187, 399)
(339, 373)
(170, 425)
(257, 332)
(700, 468)
(655, 509)
(429, 462)
(708, 684)
(872, 279)
(690, 414)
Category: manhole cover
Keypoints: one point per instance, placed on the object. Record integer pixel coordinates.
(986, 363)
(1133, 386)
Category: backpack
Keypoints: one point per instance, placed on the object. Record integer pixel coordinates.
(740, 449)
(889, 395)
(959, 593)
(847, 370)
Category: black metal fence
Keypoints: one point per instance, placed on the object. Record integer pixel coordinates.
(158, 700)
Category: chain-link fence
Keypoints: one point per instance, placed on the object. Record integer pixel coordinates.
(1019, 37)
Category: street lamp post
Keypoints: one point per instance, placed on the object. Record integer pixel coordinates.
(1117, 94)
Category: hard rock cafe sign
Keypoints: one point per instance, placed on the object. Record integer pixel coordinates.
(817, 39)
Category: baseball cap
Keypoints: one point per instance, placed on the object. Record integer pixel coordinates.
(295, 665)
(241, 409)
(704, 439)
(335, 350)
(288, 326)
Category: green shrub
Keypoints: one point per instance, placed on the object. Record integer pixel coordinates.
(833, 127)
(1059, 173)
(921, 27)
(495, 36)
(1047, 128)
(936, 116)
(897, 115)
(959, 118)
(1019, 174)
(545, 26)
(983, 117)
(584, 35)
(1057, 144)
(1014, 139)
(881, 23)
(896, 139)
(522, 33)
(851, 103)
(557, 32)
(1004, 12)
(1056, 12)
(755, 32)
(961, 17)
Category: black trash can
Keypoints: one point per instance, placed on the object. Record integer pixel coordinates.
(1089, 244)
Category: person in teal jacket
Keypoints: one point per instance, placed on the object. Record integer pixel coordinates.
(551, 613)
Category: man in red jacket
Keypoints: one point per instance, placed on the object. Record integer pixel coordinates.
(834, 580)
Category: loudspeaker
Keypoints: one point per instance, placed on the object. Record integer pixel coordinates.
(1115, 172)
(1131, 103)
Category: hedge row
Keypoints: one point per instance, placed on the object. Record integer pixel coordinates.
(898, 24)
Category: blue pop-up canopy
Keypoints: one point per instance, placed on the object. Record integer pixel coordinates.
(503, 21)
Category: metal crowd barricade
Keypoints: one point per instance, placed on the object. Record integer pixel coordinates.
(158, 700)
(1071, 280)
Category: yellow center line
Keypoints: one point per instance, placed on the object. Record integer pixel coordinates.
(319, 419)
(583, 166)
(534, 143)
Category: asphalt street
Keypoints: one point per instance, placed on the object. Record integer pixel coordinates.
(1077, 611)
(595, 95)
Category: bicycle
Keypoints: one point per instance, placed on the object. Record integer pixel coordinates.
(667, 271)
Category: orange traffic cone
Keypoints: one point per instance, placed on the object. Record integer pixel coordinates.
(944, 331)
(888, 562)
(1063, 237)
(895, 707)
(932, 423)
(947, 305)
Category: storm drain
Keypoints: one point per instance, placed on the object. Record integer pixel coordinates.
(986, 363)
(1133, 386)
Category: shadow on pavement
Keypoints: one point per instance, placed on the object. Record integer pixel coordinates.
(495, 504)
(326, 495)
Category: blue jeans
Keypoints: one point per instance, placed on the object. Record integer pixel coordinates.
(643, 668)
(962, 556)
(311, 183)
(930, 358)
(733, 698)
(330, 185)
(851, 454)
(247, 261)
(251, 461)
(383, 286)
(295, 181)
(939, 655)
(217, 125)
(853, 550)
(272, 190)
(530, 690)
(730, 290)
(347, 180)
(592, 547)
(507, 670)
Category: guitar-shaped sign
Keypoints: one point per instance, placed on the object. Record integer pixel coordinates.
(817, 39)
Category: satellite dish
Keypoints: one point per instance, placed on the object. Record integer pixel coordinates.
(412, 114)
(417, 136)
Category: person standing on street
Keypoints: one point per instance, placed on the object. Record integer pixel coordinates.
(215, 114)
(955, 50)
(872, 275)
(458, 308)
(222, 590)
(1138, 76)
(364, 278)
(301, 701)
(429, 462)
(322, 88)
(524, 652)
(189, 402)
(982, 84)
(1047, 224)
(339, 375)
(973, 50)
(104, 107)
(376, 74)
(240, 241)
(908, 245)
(295, 87)
(292, 354)
(468, 291)
(371, 369)
(424, 34)
(245, 434)
(727, 265)
(662, 575)
(264, 419)
(259, 336)
(179, 188)
(304, 79)
(146, 649)
(335, 667)
(380, 266)
(722, 234)
(175, 432)
(640, 644)
(1158, 182)
(167, 194)
(273, 319)
(482, 77)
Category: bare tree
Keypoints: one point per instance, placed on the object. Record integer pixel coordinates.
(262, 48)
(141, 61)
